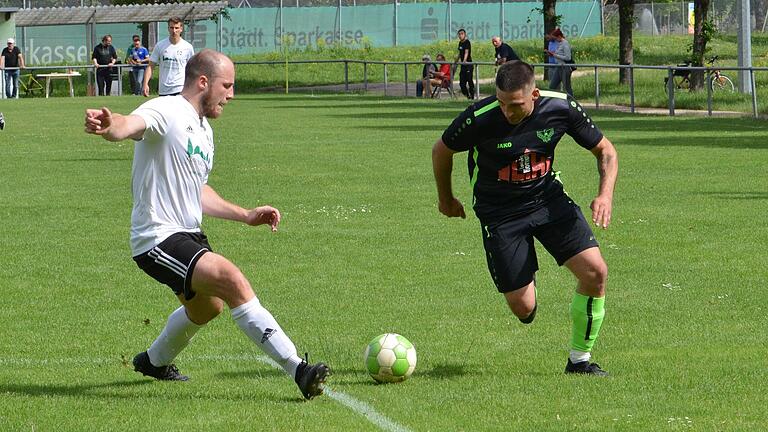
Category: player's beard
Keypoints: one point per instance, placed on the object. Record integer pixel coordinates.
(211, 107)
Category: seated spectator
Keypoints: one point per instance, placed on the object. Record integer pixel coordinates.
(442, 76)
(426, 73)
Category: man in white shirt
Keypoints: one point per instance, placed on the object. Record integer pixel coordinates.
(172, 159)
(172, 55)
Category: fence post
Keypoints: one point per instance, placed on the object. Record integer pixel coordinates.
(597, 90)
(709, 92)
(671, 90)
(385, 79)
(405, 67)
(477, 82)
(754, 91)
(631, 89)
(365, 76)
(346, 75)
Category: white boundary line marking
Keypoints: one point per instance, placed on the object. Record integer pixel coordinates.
(355, 405)
(342, 398)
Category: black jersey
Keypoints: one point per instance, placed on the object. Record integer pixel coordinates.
(511, 166)
(465, 45)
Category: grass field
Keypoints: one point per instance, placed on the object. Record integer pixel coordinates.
(362, 250)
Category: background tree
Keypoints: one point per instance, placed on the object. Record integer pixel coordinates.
(551, 21)
(626, 50)
(703, 31)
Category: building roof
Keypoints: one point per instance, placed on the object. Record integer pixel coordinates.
(118, 14)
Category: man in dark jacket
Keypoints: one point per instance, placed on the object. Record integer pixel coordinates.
(104, 57)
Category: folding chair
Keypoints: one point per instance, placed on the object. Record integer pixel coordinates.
(446, 84)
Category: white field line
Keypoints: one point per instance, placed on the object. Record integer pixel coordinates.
(355, 405)
(348, 401)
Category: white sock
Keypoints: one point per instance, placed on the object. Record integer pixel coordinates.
(579, 356)
(265, 332)
(176, 335)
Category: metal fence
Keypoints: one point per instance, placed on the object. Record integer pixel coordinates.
(405, 85)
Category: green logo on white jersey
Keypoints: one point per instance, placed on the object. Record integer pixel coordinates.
(196, 151)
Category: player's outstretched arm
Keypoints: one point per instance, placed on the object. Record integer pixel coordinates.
(442, 165)
(113, 126)
(216, 206)
(608, 168)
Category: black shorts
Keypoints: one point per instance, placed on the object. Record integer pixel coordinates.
(173, 261)
(559, 226)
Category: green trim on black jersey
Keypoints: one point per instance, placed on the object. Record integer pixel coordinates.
(553, 94)
(486, 108)
(473, 180)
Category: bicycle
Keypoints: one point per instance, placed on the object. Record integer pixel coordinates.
(681, 78)
(29, 85)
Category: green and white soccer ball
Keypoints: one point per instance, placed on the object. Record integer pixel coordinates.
(390, 358)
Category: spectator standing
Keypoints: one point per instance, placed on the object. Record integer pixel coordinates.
(171, 55)
(138, 56)
(11, 58)
(504, 52)
(104, 57)
(466, 81)
(562, 56)
(426, 73)
(551, 46)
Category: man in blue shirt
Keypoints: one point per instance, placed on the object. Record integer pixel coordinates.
(138, 56)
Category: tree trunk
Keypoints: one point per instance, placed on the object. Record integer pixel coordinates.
(550, 22)
(700, 9)
(626, 22)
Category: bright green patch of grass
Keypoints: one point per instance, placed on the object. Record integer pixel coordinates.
(363, 250)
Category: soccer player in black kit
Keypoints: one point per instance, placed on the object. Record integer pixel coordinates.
(510, 139)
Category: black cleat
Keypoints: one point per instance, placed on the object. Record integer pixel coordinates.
(142, 364)
(310, 378)
(585, 368)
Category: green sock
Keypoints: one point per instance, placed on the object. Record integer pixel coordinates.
(587, 316)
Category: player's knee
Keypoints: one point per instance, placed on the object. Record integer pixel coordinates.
(520, 309)
(596, 277)
(202, 313)
(233, 280)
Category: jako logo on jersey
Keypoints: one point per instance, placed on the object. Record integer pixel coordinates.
(504, 145)
(528, 166)
(545, 135)
(196, 151)
(268, 332)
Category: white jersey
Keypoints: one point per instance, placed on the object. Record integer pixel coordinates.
(172, 60)
(171, 164)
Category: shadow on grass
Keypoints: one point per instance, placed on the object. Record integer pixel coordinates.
(104, 159)
(738, 195)
(252, 373)
(438, 130)
(402, 115)
(71, 389)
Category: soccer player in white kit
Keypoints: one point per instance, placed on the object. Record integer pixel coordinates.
(172, 159)
(171, 55)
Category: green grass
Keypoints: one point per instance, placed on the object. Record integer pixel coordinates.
(363, 250)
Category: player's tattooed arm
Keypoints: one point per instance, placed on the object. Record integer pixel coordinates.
(608, 169)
